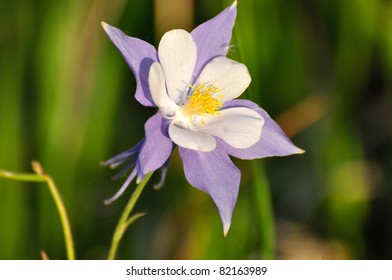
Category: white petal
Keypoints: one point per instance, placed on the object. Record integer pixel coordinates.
(230, 77)
(238, 127)
(189, 139)
(177, 54)
(156, 81)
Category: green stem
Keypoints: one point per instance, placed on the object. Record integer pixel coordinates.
(69, 244)
(133, 219)
(265, 210)
(125, 221)
(41, 176)
(21, 176)
(64, 218)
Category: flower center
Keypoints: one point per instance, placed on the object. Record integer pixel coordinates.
(202, 102)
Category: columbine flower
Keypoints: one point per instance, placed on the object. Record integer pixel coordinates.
(194, 85)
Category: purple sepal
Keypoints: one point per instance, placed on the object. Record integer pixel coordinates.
(139, 56)
(157, 146)
(214, 173)
(273, 141)
(212, 38)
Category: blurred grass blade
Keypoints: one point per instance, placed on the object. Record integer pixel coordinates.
(265, 213)
(249, 51)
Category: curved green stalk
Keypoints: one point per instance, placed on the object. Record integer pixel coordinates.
(125, 220)
(41, 176)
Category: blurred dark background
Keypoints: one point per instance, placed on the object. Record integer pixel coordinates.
(322, 69)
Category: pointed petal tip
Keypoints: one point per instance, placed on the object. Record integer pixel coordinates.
(226, 227)
(300, 151)
(226, 230)
(106, 27)
(235, 3)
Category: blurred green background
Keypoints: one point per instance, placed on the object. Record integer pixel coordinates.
(322, 69)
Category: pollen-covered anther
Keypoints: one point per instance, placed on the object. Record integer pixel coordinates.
(202, 101)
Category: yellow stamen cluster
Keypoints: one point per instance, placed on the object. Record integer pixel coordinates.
(202, 102)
